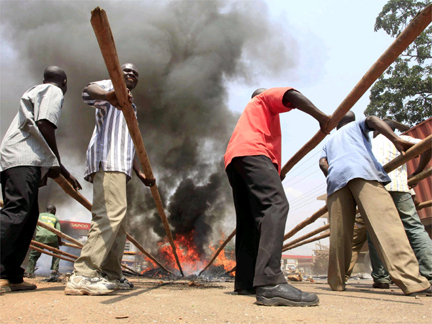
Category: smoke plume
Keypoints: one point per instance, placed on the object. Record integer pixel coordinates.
(187, 53)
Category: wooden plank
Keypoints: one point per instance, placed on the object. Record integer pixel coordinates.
(102, 29)
(49, 253)
(411, 32)
(306, 236)
(229, 238)
(313, 239)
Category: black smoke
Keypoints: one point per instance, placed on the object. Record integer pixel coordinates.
(187, 53)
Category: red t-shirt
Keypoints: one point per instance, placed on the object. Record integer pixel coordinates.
(258, 130)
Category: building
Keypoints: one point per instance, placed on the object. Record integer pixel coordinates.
(297, 263)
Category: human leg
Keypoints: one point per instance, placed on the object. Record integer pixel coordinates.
(379, 273)
(419, 239)
(359, 238)
(55, 261)
(108, 212)
(247, 237)
(34, 256)
(18, 219)
(388, 235)
(341, 208)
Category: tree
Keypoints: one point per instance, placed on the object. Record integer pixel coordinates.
(404, 91)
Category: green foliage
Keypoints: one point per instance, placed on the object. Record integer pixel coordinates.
(404, 91)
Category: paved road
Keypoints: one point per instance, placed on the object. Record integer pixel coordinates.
(156, 301)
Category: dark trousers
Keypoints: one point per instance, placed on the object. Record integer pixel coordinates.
(261, 209)
(18, 218)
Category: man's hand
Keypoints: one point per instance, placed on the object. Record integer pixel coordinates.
(324, 124)
(112, 99)
(74, 182)
(402, 145)
(145, 181)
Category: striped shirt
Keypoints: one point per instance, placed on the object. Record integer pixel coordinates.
(111, 145)
(385, 151)
(23, 143)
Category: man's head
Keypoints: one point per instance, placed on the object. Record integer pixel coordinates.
(56, 76)
(51, 209)
(348, 118)
(130, 73)
(258, 91)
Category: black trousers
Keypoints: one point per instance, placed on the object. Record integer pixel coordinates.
(261, 209)
(18, 218)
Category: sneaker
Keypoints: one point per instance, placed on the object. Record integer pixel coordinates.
(80, 285)
(125, 284)
(285, 295)
(381, 285)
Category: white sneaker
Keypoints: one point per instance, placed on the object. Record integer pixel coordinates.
(122, 284)
(80, 285)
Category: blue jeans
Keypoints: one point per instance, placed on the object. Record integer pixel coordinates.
(418, 237)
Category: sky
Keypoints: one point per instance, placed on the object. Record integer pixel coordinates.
(333, 44)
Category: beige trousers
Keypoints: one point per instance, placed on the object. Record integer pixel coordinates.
(359, 238)
(104, 248)
(385, 229)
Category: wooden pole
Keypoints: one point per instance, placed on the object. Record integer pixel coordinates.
(129, 269)
(229, 238)
(410, 154)
(424, 204)
(306, 222)
(102, 29)
(139, 247)
(72, 245)
(50, 248)
(313, 239)
(417, 25)
(67, 187)
(58, 233)
(419, 177)
(49, 253)
(304, 237)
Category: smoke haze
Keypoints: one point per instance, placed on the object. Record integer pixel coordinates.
(186, 53)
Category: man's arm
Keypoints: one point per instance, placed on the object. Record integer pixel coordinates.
(96, 92)
(377, 124)
(323, 164)
(304, 104)
(47, 130)
(425, 158)
(141, 175)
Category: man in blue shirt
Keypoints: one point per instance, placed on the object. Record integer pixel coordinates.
(354, 177)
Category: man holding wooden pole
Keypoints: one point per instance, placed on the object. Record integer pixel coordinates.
(354, 177)
(110, 159)
(253, 162)
(28, 155)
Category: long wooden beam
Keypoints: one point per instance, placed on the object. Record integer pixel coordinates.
(313, 239)
(411, 32)
(229, 238)
(60, 234)
(306, 222)
(72, 245)
(306, 236)
(50, 248)
(424, 204)
(49, 253)
(419, 177)
(67, 187)
(139, 247)
(102, 29)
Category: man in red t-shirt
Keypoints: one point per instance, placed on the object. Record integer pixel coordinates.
(253, 163)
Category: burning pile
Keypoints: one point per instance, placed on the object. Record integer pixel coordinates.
(191, 259)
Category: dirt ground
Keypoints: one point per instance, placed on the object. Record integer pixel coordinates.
(155, 301)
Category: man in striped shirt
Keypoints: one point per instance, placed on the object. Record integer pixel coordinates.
(110, 159)
(385, 151)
